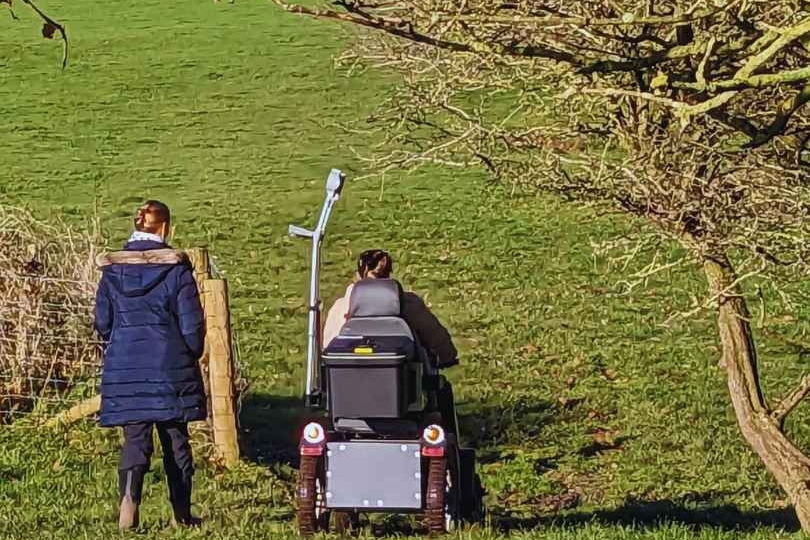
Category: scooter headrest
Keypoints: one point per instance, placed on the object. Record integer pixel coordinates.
(375, 298)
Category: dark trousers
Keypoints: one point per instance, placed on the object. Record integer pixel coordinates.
(177, 459)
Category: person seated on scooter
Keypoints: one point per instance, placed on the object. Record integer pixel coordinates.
(377, 264)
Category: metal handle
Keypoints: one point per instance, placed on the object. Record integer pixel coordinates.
(334, 185)
(300, 232)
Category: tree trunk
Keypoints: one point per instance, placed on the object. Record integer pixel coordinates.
(789, 466)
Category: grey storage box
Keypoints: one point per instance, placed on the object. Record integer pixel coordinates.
(378, 475)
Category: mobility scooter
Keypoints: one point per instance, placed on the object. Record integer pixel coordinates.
(386, 438)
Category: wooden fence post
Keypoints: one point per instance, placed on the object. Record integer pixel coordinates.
(200, 262)
(221, 369)
(202, 273)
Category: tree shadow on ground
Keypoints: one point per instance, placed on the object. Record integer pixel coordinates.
(487, 426)
(696, 512)
(600, 447)
(270, 426)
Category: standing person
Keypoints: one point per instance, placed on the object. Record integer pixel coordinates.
(148, 311)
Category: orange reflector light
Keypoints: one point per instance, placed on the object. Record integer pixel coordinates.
(433, 434)
(313, 433)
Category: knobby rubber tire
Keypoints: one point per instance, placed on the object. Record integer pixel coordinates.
(307, 476)
(434, 503)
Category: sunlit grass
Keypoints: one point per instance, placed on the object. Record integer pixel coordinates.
(228, 112)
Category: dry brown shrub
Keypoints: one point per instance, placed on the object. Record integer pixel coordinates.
(47, 285)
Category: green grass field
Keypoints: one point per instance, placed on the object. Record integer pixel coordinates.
(229, 112)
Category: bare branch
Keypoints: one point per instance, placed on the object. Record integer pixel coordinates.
(49, 27)
(790, 401)
(627, 19)
(396, 27)
(618, 92)
(780, 123)
(786, 37)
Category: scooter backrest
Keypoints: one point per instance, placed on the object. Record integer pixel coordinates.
(375, 298)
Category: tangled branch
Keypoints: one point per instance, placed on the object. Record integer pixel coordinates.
(790, 401)
(699, 58)
(49, 26)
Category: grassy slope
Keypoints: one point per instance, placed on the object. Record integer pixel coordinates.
(226, 112)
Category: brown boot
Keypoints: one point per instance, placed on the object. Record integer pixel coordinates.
(130, 486)
(128, 514)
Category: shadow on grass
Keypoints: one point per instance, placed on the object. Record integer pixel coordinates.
(270, 428)
(488, 426)
(696, 511)
(596, 448)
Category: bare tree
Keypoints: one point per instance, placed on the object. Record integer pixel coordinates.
(49, 26)
(689, 113)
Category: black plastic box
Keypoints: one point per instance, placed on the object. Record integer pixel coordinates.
(370, 385)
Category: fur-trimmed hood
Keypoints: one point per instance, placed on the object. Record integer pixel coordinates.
(151, 256)
(136, 273)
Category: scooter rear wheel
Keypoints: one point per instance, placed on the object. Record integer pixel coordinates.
(434, 504)
(308, 519)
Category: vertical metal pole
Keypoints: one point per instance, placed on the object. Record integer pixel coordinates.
(313, 332)
(334, 185)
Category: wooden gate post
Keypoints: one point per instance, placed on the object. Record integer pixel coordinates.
(200, 262)
(221, 369)
(202, 272)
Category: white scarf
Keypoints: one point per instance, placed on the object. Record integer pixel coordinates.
(139, 236)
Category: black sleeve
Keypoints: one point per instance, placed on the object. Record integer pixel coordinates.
(429, 330)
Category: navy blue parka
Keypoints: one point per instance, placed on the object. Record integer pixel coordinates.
(148, 311)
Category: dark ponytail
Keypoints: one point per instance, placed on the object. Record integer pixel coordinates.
(375, 263)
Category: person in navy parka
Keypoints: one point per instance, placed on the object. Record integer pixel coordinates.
(148, 311)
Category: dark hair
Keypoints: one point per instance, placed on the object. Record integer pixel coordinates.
(375, 263)
(151, 216)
